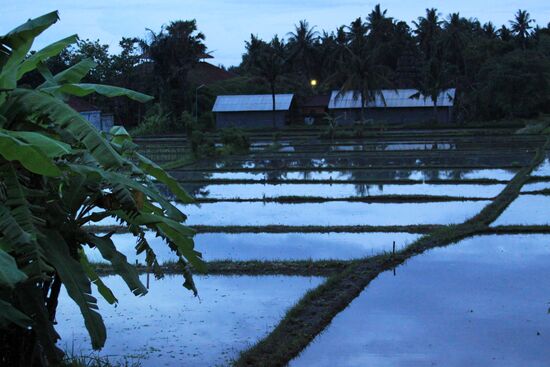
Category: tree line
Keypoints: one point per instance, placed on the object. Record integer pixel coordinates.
(499, 72)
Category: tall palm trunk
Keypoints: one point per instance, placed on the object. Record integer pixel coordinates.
(436, 119)
(273, 105)
(362, 111)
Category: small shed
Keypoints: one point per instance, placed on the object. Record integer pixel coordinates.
(313, 109)
(252, 111)
(101, 121)
(392, 106)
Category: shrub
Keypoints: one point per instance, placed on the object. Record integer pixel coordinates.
(188, 122)
(207, 122)
(235, 141)
(154, 123)
(202, 145)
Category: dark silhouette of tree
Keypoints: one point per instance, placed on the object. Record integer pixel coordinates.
(363, 77)
(174, 51)
(438, 52)
(301, 44)
(521, 27)
(433, 82)
(269, 64)
(427, 32)
(505, 33)
(490, 31)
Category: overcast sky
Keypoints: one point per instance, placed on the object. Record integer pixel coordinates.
(228, 23)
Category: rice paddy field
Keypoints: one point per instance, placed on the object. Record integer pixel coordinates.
(416, 248)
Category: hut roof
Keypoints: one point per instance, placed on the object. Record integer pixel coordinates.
(252, 102)
(390, 99)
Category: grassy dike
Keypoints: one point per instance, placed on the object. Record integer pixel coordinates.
(318, 307)
(323, 268)
(276, 228)
(394, 199)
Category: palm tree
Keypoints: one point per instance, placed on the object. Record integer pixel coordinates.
(490, 31)
(504, 33)
(253, 48)
(270, 64)
(379, 25)
(433, 81)
(363, 77)
(427, 31)
(454, 39)
(357, 35)
(301, 44)
(521, 27)
(174, 51)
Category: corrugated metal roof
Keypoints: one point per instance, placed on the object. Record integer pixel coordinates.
(252, 102)
(394, 99)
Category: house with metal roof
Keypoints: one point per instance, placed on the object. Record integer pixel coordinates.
(252, 111)
(392, 106)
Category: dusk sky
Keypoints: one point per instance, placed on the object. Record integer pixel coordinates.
(228, 23)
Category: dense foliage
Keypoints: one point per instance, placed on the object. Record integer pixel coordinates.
(498, 73)
(58, 174)
(430, 54)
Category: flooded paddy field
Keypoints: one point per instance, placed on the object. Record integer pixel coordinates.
(527, 210)
(387, 175)
(271, 246)
(170, 327)
(296, 211)
(481, 302)
(342, 190)
(330, 213)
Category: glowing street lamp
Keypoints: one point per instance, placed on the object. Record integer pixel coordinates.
(313, 82)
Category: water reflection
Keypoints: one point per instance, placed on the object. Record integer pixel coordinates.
(526, 210)
(196, 182)
(168, 327)
(340, 190)
(330, 213)
(269, 246)
(482, 302)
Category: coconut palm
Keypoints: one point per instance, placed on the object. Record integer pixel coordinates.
(301, 45)
(379, 25)
(521, 27)
(490, 31)
(433, 81)
(428, 30)
(454, 39)
(505, 33)
(357, 35)
(363, 77)
(270, 64)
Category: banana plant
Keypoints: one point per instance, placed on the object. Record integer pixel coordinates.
(58, 175)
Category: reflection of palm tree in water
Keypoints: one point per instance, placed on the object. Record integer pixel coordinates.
(194, 189)
(274, 169)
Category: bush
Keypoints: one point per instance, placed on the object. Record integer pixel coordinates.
(188, 122)
(202, 145)
(234, 141)
(155, 121)
(207, 121)
(515, 85)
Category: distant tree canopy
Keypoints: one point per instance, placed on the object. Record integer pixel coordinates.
(499, 72)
